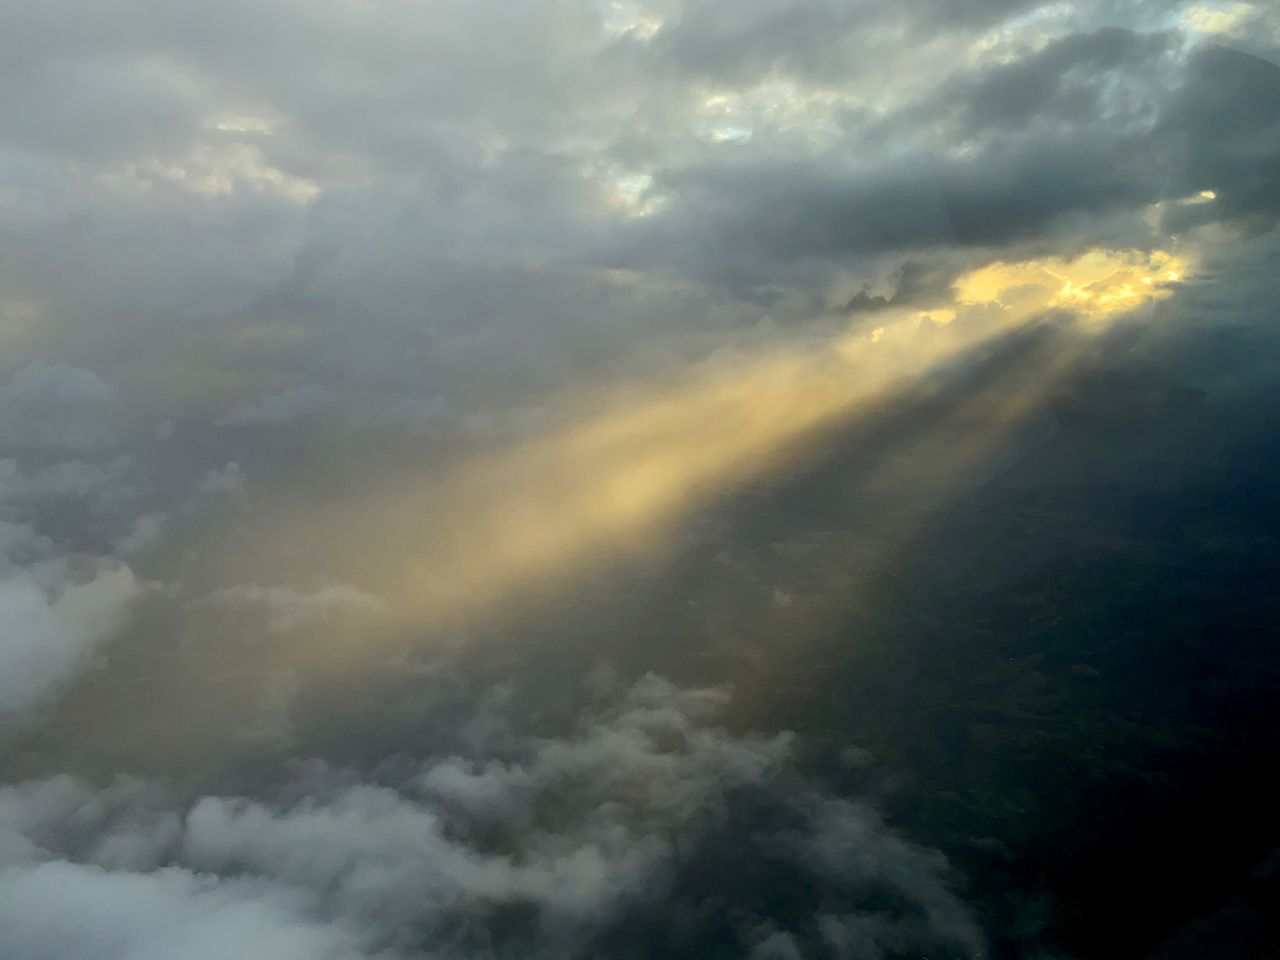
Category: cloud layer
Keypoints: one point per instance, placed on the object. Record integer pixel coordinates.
(623, 837)
(604, 186)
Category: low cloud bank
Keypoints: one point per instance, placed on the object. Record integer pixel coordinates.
(647, 828)
(54, 611)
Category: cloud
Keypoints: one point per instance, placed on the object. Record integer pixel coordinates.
(1226, 120)
(145, 532)
(55, 383)
(132, 917)
(597, 843)
(289, 609)
(419, 414)
(489, 299)
(288, 406)
(109, 483)
(57, 404)
(18, 540)
(227, 479)
(1074, 79)
(783, 212)
(480, 238)
(51, 629)
(60, 600)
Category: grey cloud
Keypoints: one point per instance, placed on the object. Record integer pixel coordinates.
(328, 99)
(18, 541)
(847, 841)
(227, 479)
(752, 221)
(60, 600)
(419, 414)
(319, 184)
(42, 383)
(584, 837)
(288, 609)
(1122, 120)
(1226, 120)
(452, 216)
(69, 479)
(122, 826)
(128, 916)
(52, 629)
(1074, 78)
(289, 405)
(752, 40)
(144, 532)
(776, 945)
(55, 404)
(1018, 191)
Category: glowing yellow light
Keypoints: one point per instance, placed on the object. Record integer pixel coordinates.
(614, 472)
(1229, 18)
(1096, 284)
(939, 315)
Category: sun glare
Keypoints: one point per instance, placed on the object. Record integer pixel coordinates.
(620, 478)
(1096, 285)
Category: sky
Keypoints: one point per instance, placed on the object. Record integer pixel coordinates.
(351, 340)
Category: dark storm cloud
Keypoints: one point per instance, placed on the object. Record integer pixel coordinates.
(1066, 81)
(761, 217)
(1226, 117)
(1093, 125)
(460, 175)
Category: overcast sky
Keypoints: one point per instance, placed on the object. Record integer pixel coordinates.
(364, 318)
